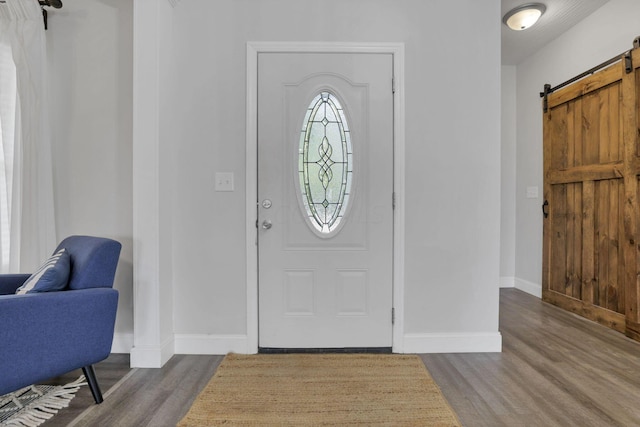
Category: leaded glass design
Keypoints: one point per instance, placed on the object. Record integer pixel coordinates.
(325, 162)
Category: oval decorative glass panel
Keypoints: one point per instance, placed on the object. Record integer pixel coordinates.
(325, 163)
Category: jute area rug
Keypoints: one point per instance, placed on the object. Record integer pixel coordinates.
(321, 389)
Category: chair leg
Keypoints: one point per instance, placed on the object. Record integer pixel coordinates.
(90, 375)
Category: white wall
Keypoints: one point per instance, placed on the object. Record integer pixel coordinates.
(154, 136)
(452, 144)
(452, 157)
(508, 177)
(607, 32)
(90, 55)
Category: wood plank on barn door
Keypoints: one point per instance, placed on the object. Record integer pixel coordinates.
(630, 113)
(588, 242)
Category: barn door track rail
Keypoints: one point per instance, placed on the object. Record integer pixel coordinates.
(625, 56)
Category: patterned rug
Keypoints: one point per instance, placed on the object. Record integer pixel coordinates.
(321, 389)
(33, 405)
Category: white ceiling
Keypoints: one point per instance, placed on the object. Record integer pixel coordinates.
(559, 17)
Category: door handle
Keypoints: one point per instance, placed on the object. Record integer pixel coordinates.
(545, 208)
(266, 224)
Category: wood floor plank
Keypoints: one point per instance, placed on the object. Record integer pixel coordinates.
(556, 369)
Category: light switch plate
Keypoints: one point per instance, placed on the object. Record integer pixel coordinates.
(224, 181)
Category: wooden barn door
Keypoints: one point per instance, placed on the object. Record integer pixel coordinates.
(591, 169)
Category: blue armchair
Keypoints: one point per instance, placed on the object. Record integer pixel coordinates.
(46, 334)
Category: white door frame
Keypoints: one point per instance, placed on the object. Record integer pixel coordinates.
(397, 52)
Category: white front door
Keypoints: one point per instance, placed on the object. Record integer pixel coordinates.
(325, 210)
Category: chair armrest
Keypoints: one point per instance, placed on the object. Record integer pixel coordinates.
(9, 283)
(46, 334)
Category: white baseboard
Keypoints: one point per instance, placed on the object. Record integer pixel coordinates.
(507, 282)
(122, 343)
(157, 356)
(534, 289)
(489, 342)
(211, 344)
(152, 356)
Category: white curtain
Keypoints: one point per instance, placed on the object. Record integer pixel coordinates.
(27, 223)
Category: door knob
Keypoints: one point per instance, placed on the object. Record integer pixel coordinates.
(266, 224)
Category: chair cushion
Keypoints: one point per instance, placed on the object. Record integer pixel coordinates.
(52, 276)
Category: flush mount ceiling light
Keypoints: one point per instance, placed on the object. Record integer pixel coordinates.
(522, 17)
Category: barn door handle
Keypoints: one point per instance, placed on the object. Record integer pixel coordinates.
(545, 209)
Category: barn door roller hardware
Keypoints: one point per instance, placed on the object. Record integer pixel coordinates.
(628, 66)
(57, 4)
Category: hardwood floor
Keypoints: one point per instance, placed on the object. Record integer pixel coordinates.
(142, 397)
(556, 369)
(109, 373)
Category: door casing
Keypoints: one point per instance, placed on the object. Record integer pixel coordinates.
(397, 52)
